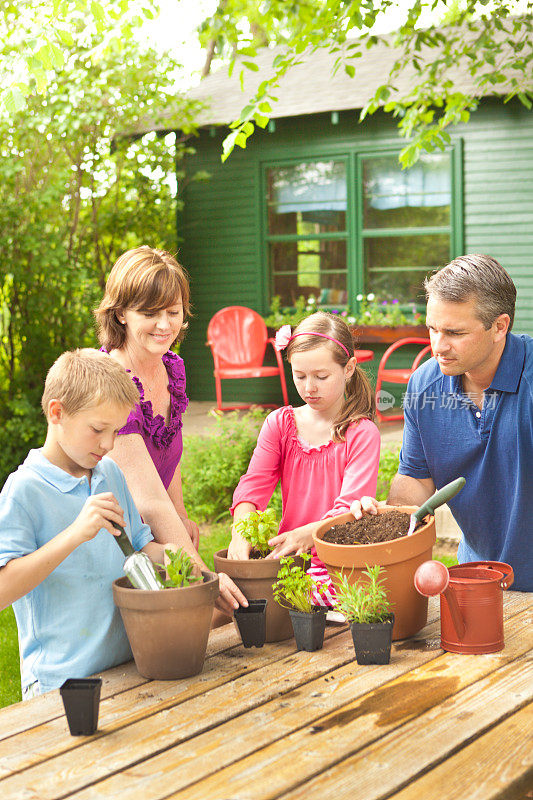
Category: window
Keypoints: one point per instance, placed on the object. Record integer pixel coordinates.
(306, 231)
(384, 237)
(406, 223)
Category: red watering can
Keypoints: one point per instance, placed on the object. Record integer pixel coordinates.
(471, 602)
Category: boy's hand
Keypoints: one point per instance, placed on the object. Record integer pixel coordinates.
(99, 511)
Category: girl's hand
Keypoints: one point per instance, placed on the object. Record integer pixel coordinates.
(366, 505)
(239, 549)
(297, 541)
(99, 511)
(230, 597)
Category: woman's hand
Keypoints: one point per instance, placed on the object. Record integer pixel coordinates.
(297, 541)
(230, 597)
(192, 529)
(368, 505)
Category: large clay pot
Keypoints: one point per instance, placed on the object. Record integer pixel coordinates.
(400, 559)
(254, 578)
(168, 629)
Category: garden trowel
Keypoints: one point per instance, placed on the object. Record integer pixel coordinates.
(438, 499)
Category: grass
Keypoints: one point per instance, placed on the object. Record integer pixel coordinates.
(9, 659)
(215, 537)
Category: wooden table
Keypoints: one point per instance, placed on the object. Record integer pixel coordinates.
(275, 723)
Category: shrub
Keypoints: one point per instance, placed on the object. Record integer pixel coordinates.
(388, 467)
(212, 466)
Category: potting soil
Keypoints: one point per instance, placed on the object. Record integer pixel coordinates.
(371, 529)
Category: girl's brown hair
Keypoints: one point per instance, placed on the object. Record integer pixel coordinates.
(359, 400)
(142, 279)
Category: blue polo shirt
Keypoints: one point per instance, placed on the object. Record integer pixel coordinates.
(446, 435)
(68, 626)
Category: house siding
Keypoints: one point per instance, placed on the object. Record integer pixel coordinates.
(220, 227)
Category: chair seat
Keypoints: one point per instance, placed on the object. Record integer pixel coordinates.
(396, 375)
(247, 372)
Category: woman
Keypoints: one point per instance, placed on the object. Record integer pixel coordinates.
(142, 314)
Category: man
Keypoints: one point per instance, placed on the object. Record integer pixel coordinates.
(468, 411)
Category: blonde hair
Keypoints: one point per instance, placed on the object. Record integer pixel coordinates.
(84, 378)
(142, 279)
(359, 400)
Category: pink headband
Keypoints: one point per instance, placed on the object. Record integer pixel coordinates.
(283, 337)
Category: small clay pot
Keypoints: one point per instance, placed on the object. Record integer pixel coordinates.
(309, 628)
(255, 577)
(168, 629)
(251, 622)
(81, 699)
(372, 641)
(400, 559)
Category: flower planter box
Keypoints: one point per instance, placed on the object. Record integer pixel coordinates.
(384, 334)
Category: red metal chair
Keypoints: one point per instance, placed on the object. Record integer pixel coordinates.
(398, 375)
(238, 339)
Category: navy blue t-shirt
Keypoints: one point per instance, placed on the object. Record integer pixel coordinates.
(446, 435)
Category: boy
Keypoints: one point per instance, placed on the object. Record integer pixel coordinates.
(58, 557)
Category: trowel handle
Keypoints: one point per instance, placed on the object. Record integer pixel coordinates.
(439, 498)
(123, 541)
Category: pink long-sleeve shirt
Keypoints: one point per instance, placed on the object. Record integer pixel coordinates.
(315, 482)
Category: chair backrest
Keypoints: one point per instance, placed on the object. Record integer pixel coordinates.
(409, 340)
(238, 337)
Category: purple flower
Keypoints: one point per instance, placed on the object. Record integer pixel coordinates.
(395, 301)
(334, 310)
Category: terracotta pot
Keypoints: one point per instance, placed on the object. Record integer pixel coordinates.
(386, 334)
(168, 629)
(254, 578)
(400, 558)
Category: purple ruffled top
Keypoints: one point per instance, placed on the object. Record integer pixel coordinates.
(163, 442)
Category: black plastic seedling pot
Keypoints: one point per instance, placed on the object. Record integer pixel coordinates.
(81, 698)
(251, 622)
(372, 641)
(309, 627)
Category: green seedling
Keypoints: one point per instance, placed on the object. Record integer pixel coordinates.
(294, 586)
(363, 601)
(258, 527)
(179, 570)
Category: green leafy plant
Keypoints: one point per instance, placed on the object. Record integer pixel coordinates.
(294, 585)
(258, 527)
(289, 316)
(373, 311)
(388, 467)
(364, 601)
(212, 465)
(179, 570)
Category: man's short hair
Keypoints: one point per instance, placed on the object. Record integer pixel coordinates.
(84, 378)
(476, 277)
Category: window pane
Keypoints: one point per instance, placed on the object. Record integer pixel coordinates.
(395, 266)
(408, 198)
(307, 198)
(309, 267)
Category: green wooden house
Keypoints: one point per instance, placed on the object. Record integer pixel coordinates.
(318, 204)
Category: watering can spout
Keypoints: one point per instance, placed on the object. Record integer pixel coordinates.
(432, 578)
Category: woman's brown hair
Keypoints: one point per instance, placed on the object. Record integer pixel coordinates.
(359, 400)
(142, 279)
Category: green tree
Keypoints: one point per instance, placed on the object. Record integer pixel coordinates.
(36, 38)
(73, 196)
(489, 41)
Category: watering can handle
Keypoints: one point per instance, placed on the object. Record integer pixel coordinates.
(499, 566)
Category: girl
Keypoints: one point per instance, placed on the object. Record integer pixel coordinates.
(325, 453)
